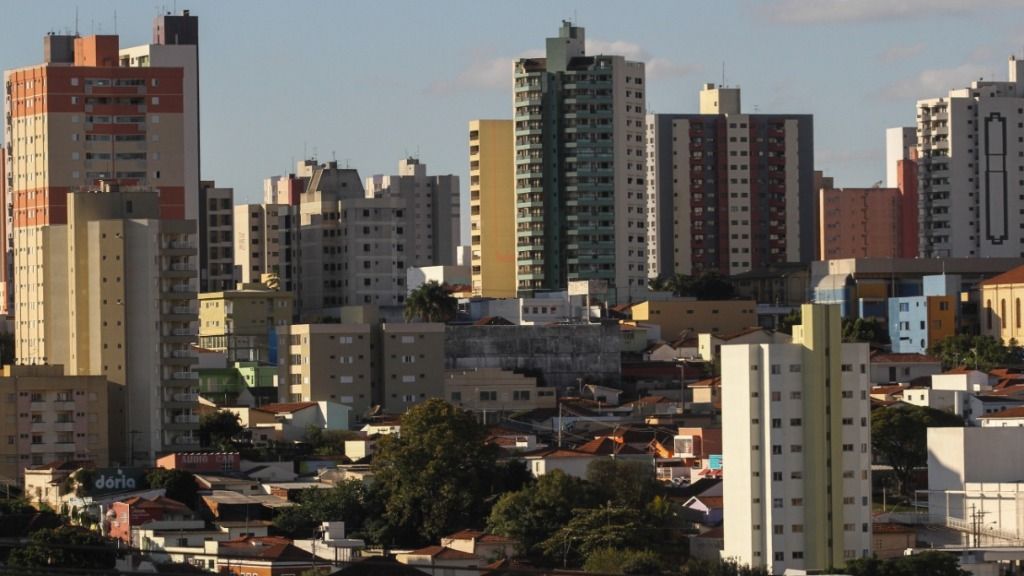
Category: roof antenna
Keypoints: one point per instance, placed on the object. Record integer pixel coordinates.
(723, 73)
(115, 22)
(76, 20)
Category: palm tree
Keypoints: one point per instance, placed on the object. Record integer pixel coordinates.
(431, 302)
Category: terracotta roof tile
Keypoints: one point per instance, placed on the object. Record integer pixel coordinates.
(1014, 276)
(901, 358)
(1017, 412)
(286, 407)
(444, 553)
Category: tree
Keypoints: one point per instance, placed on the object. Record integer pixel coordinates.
(65, 547)
(789, 320)
(872, 331)
(899, 438)
(327, 442)
(431, 302)
(593, 529)
(622, 482)
(219, 429)
(613, 561)
(344, 502)
(931, 563)
(721, 568)
(435, 477)
(981, 352)
(706, 286)
(179, 485)
(533, 514)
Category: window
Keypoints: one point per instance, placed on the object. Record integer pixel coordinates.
(521, 395)
(796, 448)
(795, 422)
(797, 529)
(796, 502)
(777, 529)
(796, 475)
(776, 396)
(776, 369)
(795, 395)
(776, 449)
(456, 396)
(776, 422)
(776, 502)
(488, 395)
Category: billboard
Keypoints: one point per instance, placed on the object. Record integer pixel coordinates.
(112, 480)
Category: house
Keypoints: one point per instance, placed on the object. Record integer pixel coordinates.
(894, 368)
(890, 393)
(442, 561)
(944, 400)
(291, 421)
(223, 462)
(486, 546)
(707, 394)
(889, 540)
(660, 351)
(225, 505)
(979, 405)
(331, 543)
(1009, 417)
(710, 344)
(43, 483)
(572, 462)
(603, 394)
(710, 508)
(262, 556)
(137, 511)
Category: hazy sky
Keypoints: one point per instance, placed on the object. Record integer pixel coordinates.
(370, 82)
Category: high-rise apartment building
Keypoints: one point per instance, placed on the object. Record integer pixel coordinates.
(862, 223)
(431, 210)
(898, 142)
(242, 322)
(492, 199)
(6, 243)
(266, 243)
(729, 192)
(970, 162)
(216, 237)
(83, 116)
(579, 169)
(796, 434)
(342, 244)
(130, 315)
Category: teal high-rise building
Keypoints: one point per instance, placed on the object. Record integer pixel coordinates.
(580, 169)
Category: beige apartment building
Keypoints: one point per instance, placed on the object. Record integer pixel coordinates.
(495, 390)
(412, 364)
(243, 322)
(362, 363)
(328, 362)
(51, 417)
(266, 242)
(492, 196)
(130, 315)
(679, 315)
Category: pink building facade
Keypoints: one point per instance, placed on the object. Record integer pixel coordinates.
(867, 223)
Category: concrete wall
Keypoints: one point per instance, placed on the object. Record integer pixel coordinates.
(557, 355)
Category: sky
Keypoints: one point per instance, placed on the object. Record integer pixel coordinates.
(369, 83)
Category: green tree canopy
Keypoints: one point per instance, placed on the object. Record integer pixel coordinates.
(981, 352)
(721, 568)
(431, 302)
(871, 331)
(594, 529)
(65, 547)
(614, 561)
(705, 286)
(328, 442)
(930, 563)
(178, 484)
(899, 437)
(219, 429)
(344, 502)
(623, 482)
(533, 514)
(436, 477)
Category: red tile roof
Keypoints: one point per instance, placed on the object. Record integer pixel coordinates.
(1014, 276)
(902, 358)
(603, 445)
(269, 548)
(556, 453)
(443, 553)
(706, 383)
(743, 332)
(892, 528)
(1017, 412)
(480, 536)
(287, 407)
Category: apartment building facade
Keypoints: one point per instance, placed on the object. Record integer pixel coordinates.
(863, 223)
(970, 157)
(52, 417)
(266, 244)
(729, 192)
(85, 115)
(796, 435)
(579, 169)
(132, 317)
(216, 237)
(243, 323)
(492, 230)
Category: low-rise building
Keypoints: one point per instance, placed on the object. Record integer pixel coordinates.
(710, 345)
(1002, 316)
(163, 512)
(889, 540)
(221, 462)
(480, 544)
(679, 316)
(242, 322)
(917, 323)
(893, 368)
(52, 417)
(496, 391)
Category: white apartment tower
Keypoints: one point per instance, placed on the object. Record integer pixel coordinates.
(971, 170)
(796, 438)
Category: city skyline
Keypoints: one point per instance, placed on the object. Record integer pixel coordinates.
(352, 97)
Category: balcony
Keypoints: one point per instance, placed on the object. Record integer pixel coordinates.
(185, 376)
(186, 419)
(185, 397)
